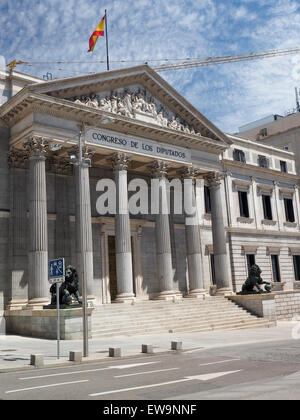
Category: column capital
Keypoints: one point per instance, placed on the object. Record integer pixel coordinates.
(120, 161)
(61, 165)
(189, 172)
(87, 153)
(159, 168)
(36, 146)
(16, 158)
(214, 179)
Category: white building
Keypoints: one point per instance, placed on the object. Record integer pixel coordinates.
(136, 125)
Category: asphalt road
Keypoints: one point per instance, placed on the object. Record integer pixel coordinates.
(256, 371)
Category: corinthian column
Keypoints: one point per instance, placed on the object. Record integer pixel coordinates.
(122, 231)
(38, 286)
(162, 235)
(192, 234)
(84, 239)
(221, 259)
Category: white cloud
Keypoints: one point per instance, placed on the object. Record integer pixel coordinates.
(230, 95)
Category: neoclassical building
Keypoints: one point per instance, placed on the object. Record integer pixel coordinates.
(133, 124)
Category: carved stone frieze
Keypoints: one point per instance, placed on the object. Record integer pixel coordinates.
(137, 104)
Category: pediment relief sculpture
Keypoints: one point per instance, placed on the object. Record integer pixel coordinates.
(136, 104)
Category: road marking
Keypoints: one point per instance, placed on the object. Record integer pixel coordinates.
(144, 373)
(206, 377)
(222, 361)
(133, 365)
(45, 386)
(88, 371)
(209, 376)
(115, 391)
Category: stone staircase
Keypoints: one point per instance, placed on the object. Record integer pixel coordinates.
(187, 315)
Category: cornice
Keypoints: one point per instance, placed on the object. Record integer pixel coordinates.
(62, 108)
(257, 170)
(144, 75)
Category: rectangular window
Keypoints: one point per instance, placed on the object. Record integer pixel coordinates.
(207, 200)
(250, 260)
(213, 272)
(243, 201)
(275, 268)
(289, 210)
(266, 199)
(239, 156)
(296, 259)
(283, 167)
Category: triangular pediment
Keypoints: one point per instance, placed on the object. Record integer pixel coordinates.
(138, 93)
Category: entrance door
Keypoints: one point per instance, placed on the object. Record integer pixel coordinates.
(112, 267)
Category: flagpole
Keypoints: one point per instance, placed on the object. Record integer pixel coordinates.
(106, 36)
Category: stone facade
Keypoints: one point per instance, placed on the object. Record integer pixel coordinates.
(48, 206)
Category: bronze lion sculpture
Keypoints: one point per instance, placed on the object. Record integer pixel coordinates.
(254, 282)
(68, 288)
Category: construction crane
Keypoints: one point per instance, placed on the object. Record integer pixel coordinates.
(210, 61)
(186, 63)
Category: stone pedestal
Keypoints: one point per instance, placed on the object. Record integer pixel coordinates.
(43, 323)
(262, 305)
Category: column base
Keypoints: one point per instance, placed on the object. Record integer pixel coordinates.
(37, 303)
(17, 304)
(197, 294)
(173, 295)
(125, 298)
(224, 291)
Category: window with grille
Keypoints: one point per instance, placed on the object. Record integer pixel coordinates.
(239, 156)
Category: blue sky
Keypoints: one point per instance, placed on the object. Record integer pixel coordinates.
(229, 95)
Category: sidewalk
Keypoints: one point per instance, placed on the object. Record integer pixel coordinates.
(15, 351)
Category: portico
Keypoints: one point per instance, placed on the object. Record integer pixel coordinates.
(160, 136)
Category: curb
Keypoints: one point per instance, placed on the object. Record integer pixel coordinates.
(88, 362)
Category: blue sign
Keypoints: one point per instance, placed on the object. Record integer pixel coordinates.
(56, 270)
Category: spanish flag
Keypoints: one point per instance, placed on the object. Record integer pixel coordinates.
(99, 31)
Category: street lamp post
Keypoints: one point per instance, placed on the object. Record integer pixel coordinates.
(82, 164)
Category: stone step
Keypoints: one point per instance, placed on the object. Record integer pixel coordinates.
(163, 314)
(184, 324)
(195, 328)
(182, 309)
(141, 321)
(187, 315)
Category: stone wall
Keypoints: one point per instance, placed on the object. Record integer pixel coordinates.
(242, 244)
(287, 305)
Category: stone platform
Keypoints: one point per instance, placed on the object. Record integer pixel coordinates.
(43, 323)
